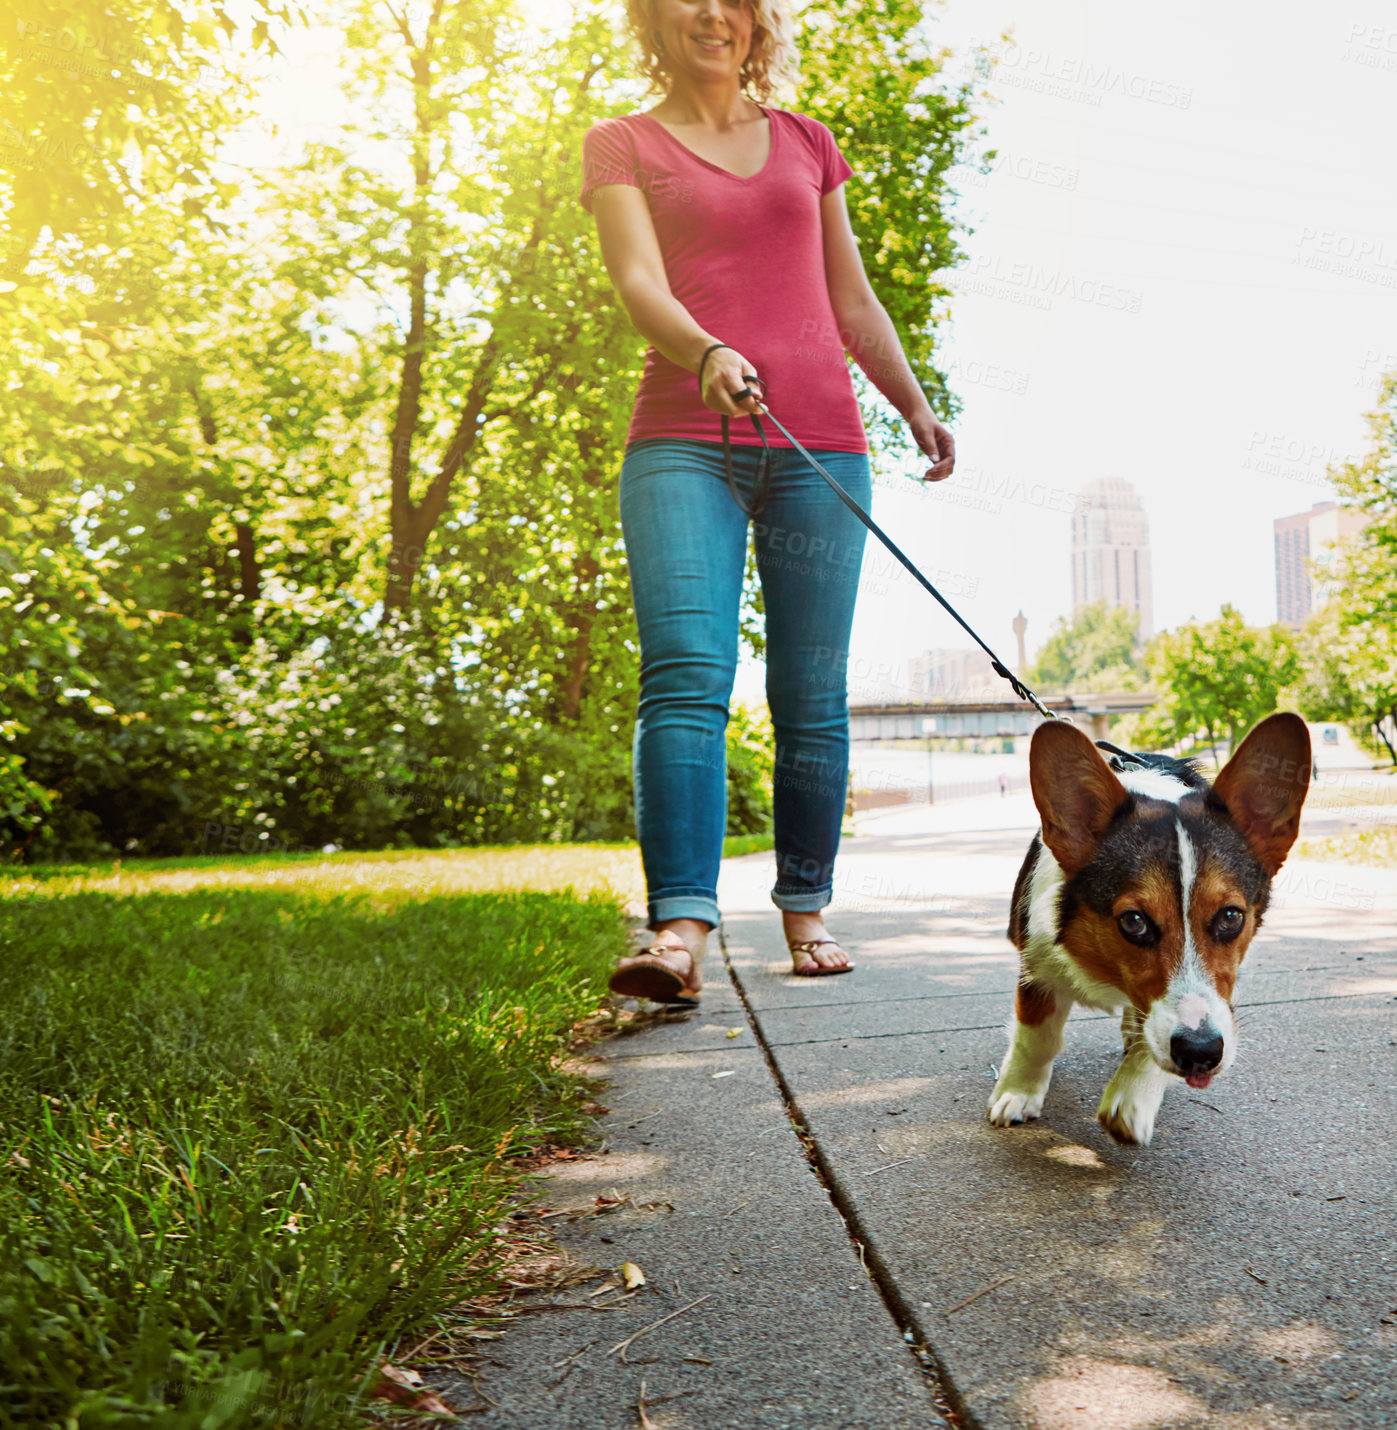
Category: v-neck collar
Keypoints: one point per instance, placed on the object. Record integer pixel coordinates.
(718, 168)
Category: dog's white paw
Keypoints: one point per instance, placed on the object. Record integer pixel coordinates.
(1130, 1104)
(1011, 1105)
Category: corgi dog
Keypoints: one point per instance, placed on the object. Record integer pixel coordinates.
(1140, 896)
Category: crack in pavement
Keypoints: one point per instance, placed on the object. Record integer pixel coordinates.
(947, 1401)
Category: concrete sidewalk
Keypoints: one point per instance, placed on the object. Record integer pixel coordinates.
(1237, 1273)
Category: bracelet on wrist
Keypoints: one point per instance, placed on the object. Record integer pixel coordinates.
(712, 347)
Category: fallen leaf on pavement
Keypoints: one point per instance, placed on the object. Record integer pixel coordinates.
(599, 1207)
(632, 1275)
(404, 1387)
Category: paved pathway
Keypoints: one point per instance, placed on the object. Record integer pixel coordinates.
(1238, 1273)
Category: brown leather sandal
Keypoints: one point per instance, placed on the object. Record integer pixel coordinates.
(819, 970)
(654, 980)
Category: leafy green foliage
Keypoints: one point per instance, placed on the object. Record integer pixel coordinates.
(308, 474)
(1369, 572)
(751, 761)
(1349, 673)
(871, 73)
(108, 105)
(1349, 645)
(256, 1127)
(1096, 648)
(1216, 678)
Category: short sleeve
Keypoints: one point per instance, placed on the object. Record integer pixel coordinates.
(608, 157)
(835, 167)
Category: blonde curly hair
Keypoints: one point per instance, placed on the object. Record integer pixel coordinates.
(773, 62)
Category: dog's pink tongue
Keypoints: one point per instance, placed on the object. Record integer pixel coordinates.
(1198, 1079)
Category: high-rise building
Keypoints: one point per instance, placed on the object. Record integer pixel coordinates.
(1304, 547)
(1111, 550)
(954, 674)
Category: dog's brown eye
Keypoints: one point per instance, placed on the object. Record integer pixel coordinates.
(1228, 922)
(1135, 926)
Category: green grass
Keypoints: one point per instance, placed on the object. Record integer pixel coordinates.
(736, 845)
(258, 1116)
(1369, 846)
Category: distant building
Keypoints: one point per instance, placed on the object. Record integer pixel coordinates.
(953, 674)
(1304, 546)
(1111, 550)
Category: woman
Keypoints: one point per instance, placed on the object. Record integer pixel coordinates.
(723, 226)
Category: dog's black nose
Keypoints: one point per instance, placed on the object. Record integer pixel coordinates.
(1196, 1050)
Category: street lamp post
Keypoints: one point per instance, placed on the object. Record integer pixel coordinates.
(929, 729)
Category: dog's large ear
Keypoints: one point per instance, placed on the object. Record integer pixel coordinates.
(1264, 784)
(1075, 791)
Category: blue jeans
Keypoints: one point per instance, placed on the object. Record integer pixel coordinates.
(686, 542)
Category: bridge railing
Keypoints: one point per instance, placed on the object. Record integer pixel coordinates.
(908, 796)
(989, 719)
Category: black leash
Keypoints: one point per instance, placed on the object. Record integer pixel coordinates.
(764, 491)
(764, 466)
(1120, 759)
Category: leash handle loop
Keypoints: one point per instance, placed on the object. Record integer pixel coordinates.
(763, 467)
(711, 348)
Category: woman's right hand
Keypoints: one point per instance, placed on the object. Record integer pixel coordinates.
(723, 376)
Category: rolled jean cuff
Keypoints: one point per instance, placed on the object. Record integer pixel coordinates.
(685, 906)
(807, 901)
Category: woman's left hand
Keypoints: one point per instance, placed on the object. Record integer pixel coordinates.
(937, 444)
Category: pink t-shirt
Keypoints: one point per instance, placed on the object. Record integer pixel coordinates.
(745, 256)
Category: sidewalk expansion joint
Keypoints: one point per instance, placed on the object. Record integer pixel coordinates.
(1006, 992)
(843, 1038)
(947, 1402)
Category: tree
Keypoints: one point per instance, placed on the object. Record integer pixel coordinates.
(871, 73)
(1348, 672)
(1349, 646)
(109, 119)
(1096, 648)
(108, 106)
(1216, 677)
(1368, 564)
(323, 460)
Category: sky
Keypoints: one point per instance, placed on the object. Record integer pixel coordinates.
(1183, 272)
